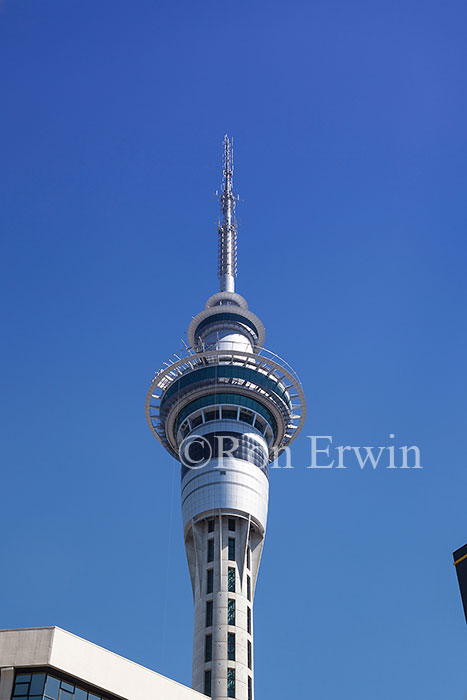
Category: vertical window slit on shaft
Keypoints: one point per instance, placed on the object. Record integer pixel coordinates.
(230, 682)
(210, 550)
(208, 648)
(231, 646)
(207, 683)
(209, 613)
(231, 612)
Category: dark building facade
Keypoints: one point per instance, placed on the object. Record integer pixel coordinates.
(460, 562)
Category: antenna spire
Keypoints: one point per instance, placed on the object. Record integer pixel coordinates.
(228, 226)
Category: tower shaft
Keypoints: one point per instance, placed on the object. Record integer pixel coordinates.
(223, 552)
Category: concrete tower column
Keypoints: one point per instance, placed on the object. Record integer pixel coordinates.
(223, 650)
(224, 507)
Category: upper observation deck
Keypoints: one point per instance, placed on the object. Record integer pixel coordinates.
(225, 373)
(261, 382)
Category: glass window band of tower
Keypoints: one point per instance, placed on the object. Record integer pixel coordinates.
(225, 316)
(234, 399)
(227, 372)
(211, 413)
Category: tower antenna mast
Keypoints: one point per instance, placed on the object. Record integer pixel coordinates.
(227, 258)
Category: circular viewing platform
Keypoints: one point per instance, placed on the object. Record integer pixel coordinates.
(259, 383)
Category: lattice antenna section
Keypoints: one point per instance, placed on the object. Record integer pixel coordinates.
(227, 258)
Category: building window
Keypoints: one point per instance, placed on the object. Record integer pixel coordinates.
(207, 683)
(260, 425)
(250, 689)
(249, 653)
(248, 557)
(196, 420)
(210, 550)
(210, 581)
(212, 414)
(211, 525)
(230, 612)
(248, 620)
(232, 524)
(209, 613)
(248, 587)
(231, 646)
(231, 579)
(33, 686)
(230, 682)
(229, 413)
(247, 416)
(231, 549)
(51, 687)
(208, 648)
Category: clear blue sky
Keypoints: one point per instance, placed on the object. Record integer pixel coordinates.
(349, 120)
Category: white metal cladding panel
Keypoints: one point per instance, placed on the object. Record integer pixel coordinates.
(236, 484)
(227, 340)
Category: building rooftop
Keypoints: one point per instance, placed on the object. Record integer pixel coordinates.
(52, 648)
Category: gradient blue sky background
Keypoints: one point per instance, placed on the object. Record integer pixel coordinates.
(349, 120)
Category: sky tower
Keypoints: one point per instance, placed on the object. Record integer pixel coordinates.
(225, 408)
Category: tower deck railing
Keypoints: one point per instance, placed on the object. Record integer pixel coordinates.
(264, 361)
(194, 356)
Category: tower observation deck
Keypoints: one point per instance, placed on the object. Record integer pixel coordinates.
(225, 408)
